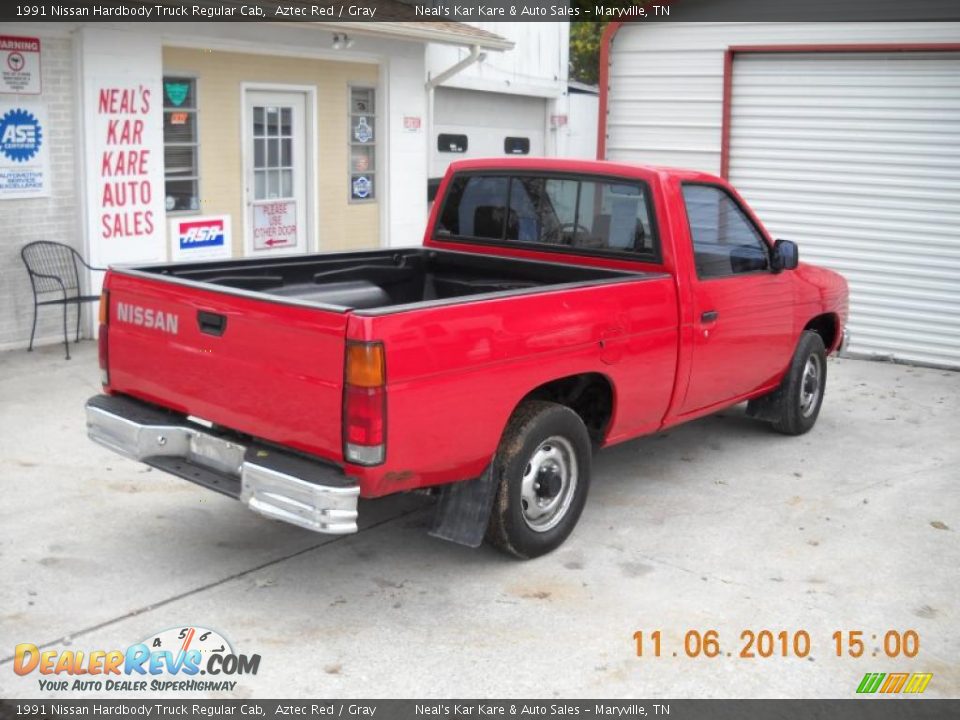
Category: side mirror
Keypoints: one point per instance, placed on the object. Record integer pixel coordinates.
(786, 255)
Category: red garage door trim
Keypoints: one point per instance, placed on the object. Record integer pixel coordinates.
(611, 30)
(606, 40)
(734, 50)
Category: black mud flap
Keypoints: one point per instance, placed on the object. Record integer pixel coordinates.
(463, 512)
(766, 407)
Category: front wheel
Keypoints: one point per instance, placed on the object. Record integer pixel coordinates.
(802, 389)
(543, 473)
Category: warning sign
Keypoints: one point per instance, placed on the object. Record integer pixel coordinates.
(274, 225)
(19, 65)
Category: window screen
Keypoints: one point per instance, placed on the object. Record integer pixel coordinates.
(725, 241)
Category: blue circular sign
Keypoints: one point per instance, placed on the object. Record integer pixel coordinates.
(20, 135)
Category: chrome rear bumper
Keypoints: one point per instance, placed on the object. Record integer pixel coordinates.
(283, 486)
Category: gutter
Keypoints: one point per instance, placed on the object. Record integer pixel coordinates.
(418, 31)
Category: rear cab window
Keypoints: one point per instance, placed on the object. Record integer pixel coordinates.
(581, 214)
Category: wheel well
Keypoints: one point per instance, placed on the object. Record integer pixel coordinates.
(589, 395)
(826, 327)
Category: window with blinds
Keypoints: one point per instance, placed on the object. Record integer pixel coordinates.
(181, 144)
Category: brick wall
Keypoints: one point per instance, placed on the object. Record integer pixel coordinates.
(51, 218)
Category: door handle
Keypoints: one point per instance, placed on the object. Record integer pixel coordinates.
(709, 316)
(211, 323)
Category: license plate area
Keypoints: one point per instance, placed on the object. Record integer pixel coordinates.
(215, 453)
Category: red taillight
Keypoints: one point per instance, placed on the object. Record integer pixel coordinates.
(103, 337)
(364, 408)
(364, 404)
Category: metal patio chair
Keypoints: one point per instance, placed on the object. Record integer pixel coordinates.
(55, 268)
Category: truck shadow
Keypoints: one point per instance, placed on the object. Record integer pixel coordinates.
(393, 561)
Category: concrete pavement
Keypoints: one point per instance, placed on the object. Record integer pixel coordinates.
(719, 525)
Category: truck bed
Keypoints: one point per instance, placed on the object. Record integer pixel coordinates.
(382, 280)
(258, 345)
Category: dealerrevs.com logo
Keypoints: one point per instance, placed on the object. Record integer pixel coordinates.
(179, 659)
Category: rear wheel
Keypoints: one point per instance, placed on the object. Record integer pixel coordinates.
(543, 473)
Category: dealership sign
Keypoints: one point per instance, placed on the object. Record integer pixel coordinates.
(19, 65)
(24, 151)
(122, 147)
(200, 238)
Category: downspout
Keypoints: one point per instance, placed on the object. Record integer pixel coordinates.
(474, 56)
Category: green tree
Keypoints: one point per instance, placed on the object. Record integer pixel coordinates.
(585, 50)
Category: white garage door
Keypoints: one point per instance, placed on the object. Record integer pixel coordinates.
(485, 120)
(856, 157)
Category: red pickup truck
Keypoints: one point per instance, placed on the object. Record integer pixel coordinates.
(556, 306)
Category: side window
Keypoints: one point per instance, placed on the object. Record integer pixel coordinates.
(363, 144)
(725, 241)
(516, 146)
(181, 147)
(451, 143)
(475, 207)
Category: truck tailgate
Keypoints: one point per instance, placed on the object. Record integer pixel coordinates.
(274, 370)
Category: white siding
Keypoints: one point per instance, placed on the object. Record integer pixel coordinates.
(666, 80)
(537, 64)
(578, 138)
(487, 119)
(504, 91)
(855, 156)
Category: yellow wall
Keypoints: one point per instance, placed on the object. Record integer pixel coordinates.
(219, 75)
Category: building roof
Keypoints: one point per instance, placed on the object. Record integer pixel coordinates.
(443, 32)
(397, 19)
(576, 86)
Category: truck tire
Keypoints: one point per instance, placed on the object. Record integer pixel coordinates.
(801, 391)
(542, 468)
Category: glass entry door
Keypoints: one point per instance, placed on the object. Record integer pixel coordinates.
(275, 172)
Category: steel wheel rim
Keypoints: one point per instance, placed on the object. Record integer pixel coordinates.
(810, 385)
(552, 466)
